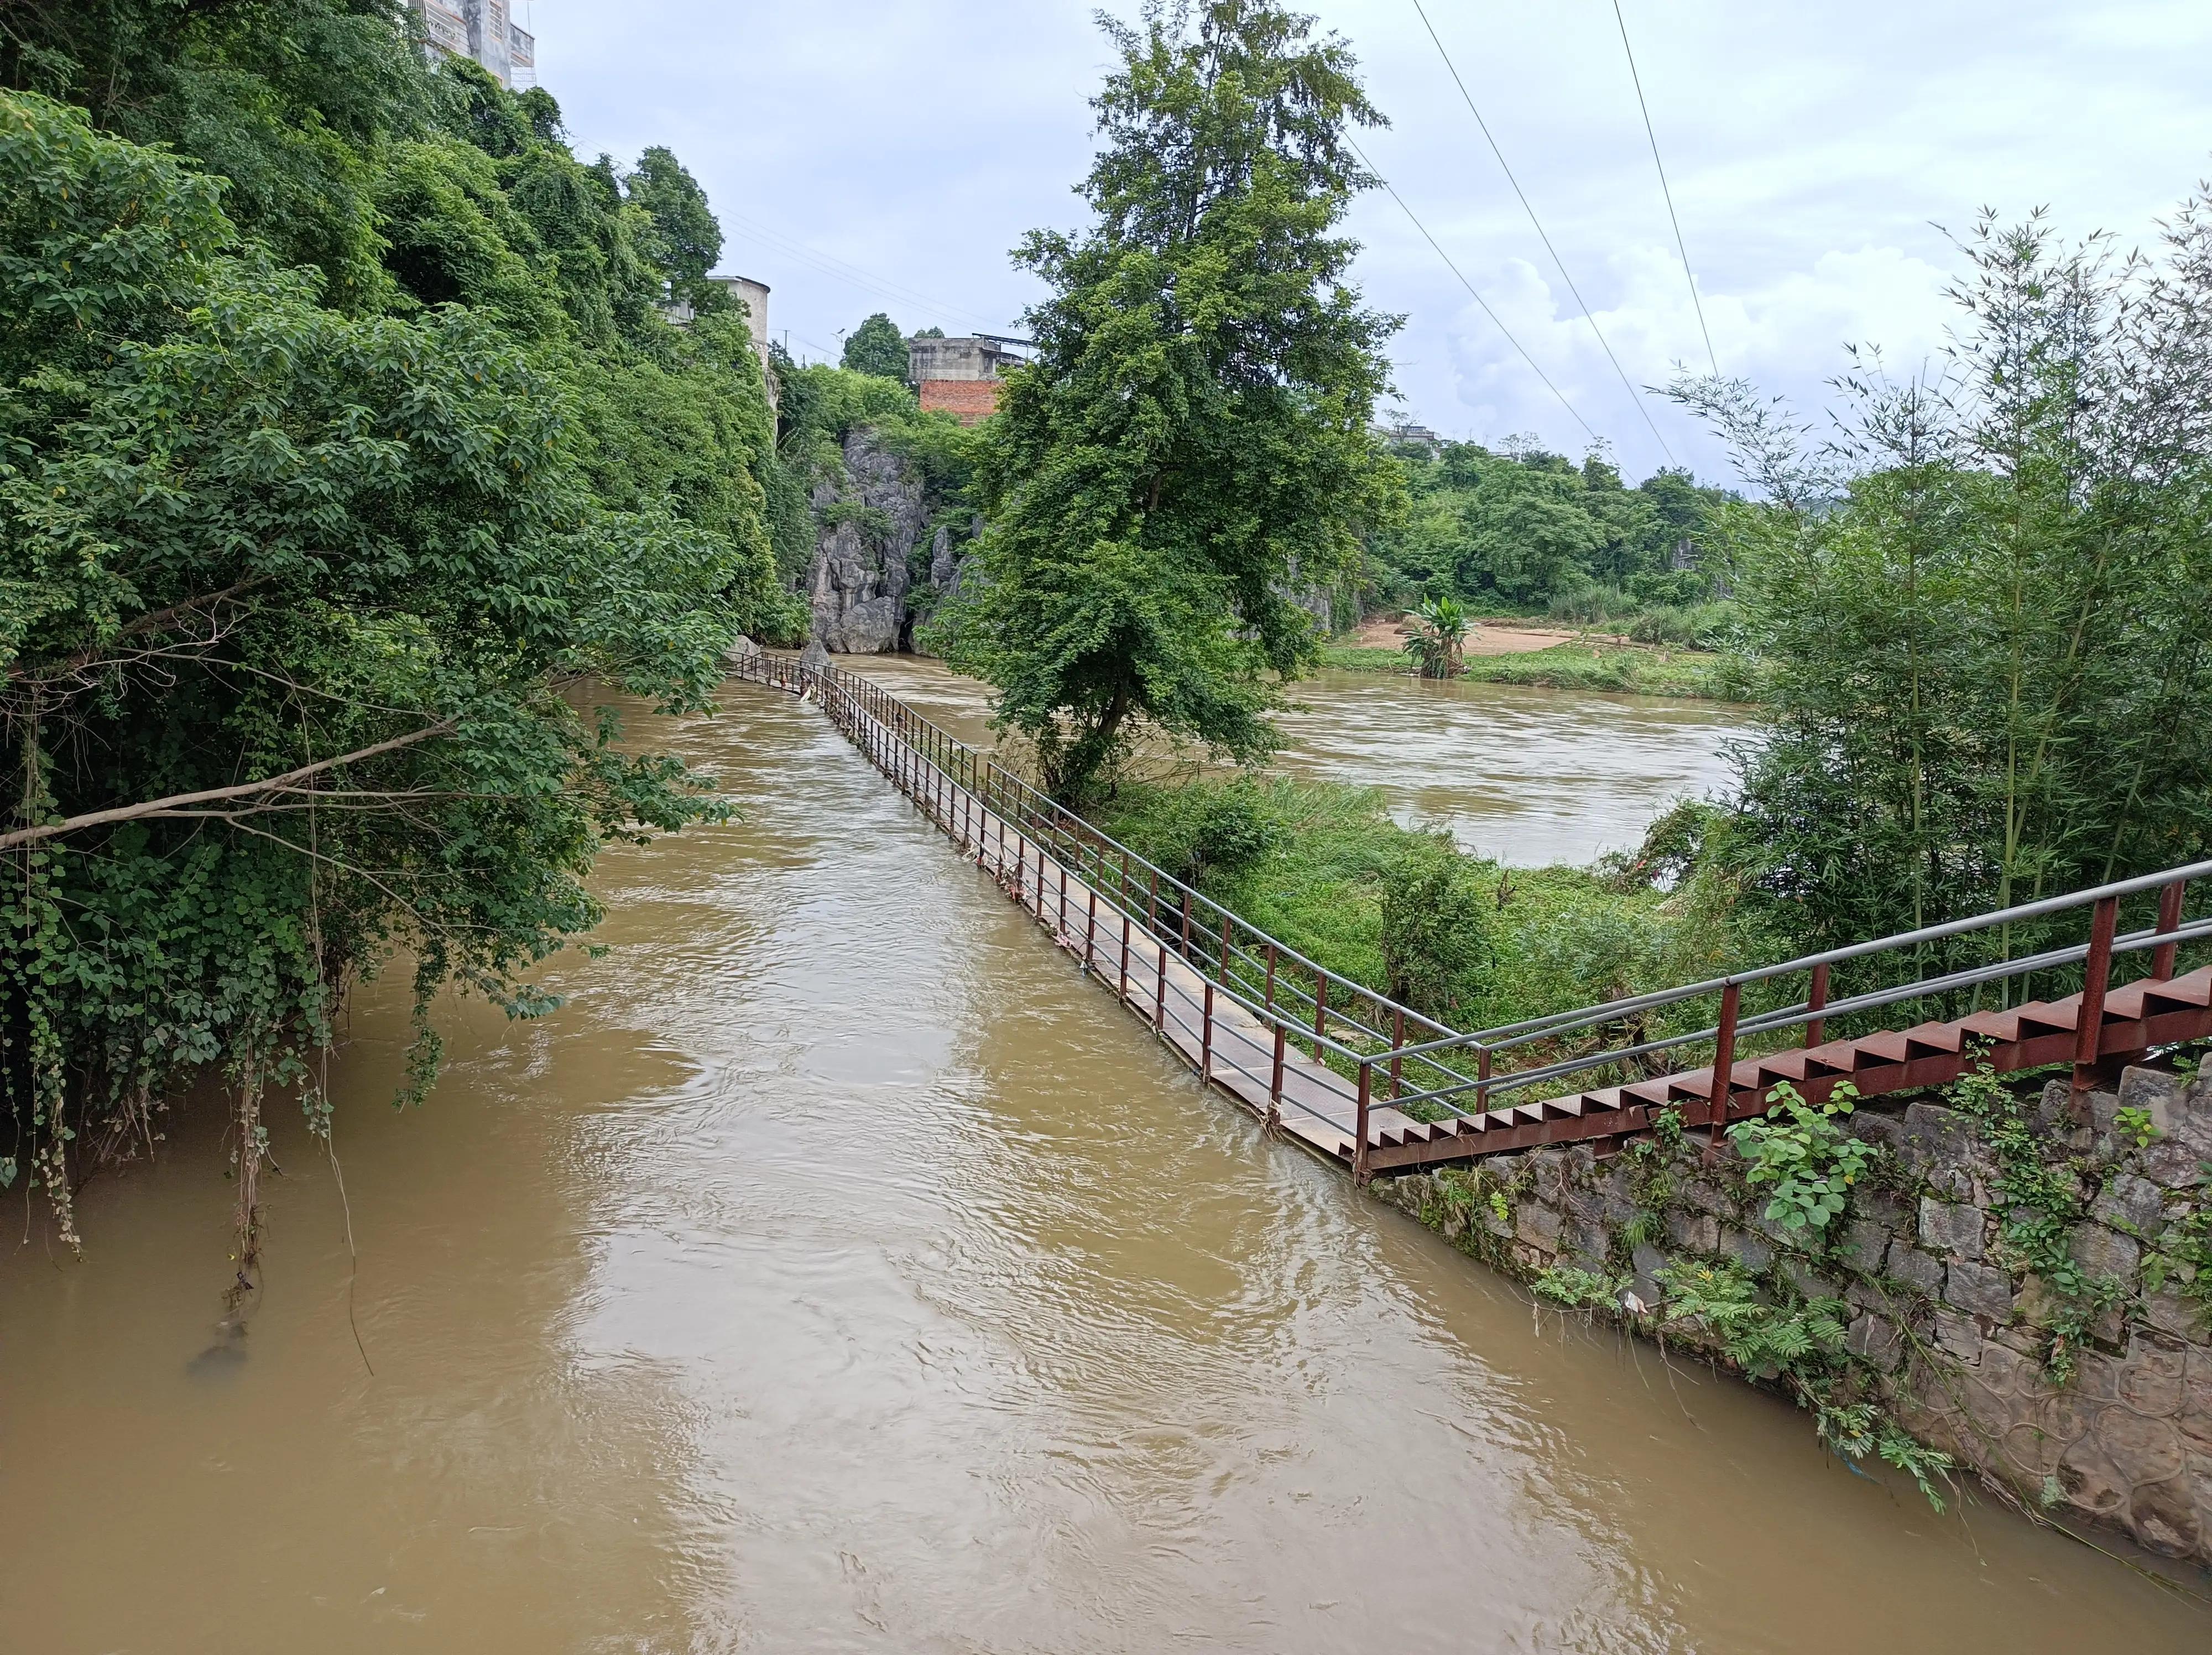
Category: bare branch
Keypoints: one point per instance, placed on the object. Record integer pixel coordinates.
(173, 804)
(153, 622)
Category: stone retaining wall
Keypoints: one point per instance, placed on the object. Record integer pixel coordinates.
(2086, 1398)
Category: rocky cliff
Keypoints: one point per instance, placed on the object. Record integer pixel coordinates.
(866, 585)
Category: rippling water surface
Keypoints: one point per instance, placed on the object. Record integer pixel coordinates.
(838, 1271)
(1529, 777)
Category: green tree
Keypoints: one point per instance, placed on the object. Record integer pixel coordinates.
(1435, 637)
(1191, 445)
(1436, 943)
(687, 240)
(877, 347)
(1982, 606)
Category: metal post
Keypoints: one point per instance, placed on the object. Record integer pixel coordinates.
(2089, 1022)
(1089, 932)
(1206, 1038)
(1225, 948)
(1271, 976)
(1152, 905)
(1359, 1122)
(1320, 1012)
(1397, 1040)
(1816, 999)
(1063, 898)
(1275, 1083)
(1125, 954)
(1186, 922)
(2169, 919)
(1481, 1080)
(1160, 989)
(1723, 1063)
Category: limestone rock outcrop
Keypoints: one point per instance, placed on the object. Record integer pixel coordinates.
(870, 524)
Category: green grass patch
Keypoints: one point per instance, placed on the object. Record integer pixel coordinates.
(1625, 669)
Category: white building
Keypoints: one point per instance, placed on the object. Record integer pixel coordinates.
(484, 30)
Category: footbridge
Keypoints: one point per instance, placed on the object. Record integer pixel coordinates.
(1380, 1088)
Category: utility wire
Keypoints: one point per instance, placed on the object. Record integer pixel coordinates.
(1688, 275)
(1472, 292)
(1633, 395)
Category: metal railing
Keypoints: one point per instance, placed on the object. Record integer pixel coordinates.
(1357, 1040)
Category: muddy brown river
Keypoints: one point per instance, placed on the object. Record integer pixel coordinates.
(1529, 777)
(840, 1271)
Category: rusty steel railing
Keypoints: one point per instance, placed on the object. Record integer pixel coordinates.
(1363, 1052)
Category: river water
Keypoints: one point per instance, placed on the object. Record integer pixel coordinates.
(840, 1271)
(1527, 776)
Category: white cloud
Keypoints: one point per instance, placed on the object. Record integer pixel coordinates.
(1809, 148)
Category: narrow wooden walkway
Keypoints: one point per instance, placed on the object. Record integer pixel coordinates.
(1330, 1063)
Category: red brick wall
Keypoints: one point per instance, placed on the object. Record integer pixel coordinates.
(971, 400)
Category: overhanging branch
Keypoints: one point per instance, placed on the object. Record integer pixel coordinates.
(176, 803)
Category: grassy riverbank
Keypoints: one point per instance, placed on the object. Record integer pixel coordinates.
(1316, 864)
(1630, 668)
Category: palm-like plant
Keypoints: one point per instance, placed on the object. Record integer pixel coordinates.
(1435, 637)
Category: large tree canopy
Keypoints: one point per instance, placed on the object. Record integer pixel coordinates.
(875, 347)
(338, 465)
(1982, 608)
(1190, 451)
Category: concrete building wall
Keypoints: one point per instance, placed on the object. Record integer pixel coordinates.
(484, 30)
(930, 359)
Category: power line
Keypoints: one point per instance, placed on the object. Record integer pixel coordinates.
(1559, 263)
(1496, 320)
(1688, 275)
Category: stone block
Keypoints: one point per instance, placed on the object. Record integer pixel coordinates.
(1920, 1271)
(1809, 1282)
(2103, 1112)
(2192, 1113)
(1951, 1228)
(2103, 1252)
(1876, 1340)
(2145, 1451)
(2150, 1378)
(2131, 1204)
(2194, 1418)
(1547, 1169)
(1979, 1289)
(2091, 1481)
(2169, 1163)
(1706, 1196)
(1874, 1125)
(1937, 1139)
(1864, 1244)
(1648, 1262)
(1748, 1251)
(2165, 1518)
(1694, 1233)
(1958, 1335)
(1536, 1224)
(2154, 1092)
(1587, 1245)
(2170, 1311)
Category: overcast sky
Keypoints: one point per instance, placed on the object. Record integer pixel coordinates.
(884, 155)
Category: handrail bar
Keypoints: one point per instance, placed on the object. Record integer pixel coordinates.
(1537, 1027)
(2134, 942)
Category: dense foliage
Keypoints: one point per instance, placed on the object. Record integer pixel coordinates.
(1191, 445)
(1528, 532)
(344, 450)
(1983, 611)
(875, 347)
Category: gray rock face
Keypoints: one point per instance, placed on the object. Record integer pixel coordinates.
(870, 523)
(813, 658)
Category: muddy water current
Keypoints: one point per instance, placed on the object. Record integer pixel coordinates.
(1529, 777)
(838, 1270)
